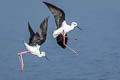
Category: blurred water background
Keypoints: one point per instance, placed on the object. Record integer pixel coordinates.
(98, 43)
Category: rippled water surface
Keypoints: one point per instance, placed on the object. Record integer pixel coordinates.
(98, 42)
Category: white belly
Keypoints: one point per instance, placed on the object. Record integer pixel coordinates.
(66, 29)
(33, 49)
(57, 32)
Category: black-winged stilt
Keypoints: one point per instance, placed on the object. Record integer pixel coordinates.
(62, 27)
(35, 41)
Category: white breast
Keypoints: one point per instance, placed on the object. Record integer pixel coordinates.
(67, 28)
(33, 49)
(57, 32)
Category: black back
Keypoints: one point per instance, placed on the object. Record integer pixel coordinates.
(40, 36)
(58, 14)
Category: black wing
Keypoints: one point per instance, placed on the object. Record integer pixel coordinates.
(60, 40)
(58, 14)
(31, 32)
(40, 36)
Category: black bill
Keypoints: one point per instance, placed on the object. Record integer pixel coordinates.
(79, 28)
(46, 57)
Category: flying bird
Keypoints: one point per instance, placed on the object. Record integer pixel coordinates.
(35, 41)
(62, 27)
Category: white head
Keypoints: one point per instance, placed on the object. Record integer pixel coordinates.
(43, 55)
(74, 24)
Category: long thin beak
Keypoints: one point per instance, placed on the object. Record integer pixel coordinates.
(46, 58)
(79, 28)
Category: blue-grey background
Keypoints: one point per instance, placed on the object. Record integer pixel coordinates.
(98, 43)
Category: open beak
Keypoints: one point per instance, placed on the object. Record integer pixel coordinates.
(46, 58)
(79, 28)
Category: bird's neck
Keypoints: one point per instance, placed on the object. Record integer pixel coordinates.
(71, 28)
(68, 27)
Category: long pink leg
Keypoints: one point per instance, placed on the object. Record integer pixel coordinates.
(21, 59)
(75, 52)
(21, 62)
(23, 52)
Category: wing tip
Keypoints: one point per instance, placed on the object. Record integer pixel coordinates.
(29, 25)
(49, 5)
(45, 2)
(46, 19)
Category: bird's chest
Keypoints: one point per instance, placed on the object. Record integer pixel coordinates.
(65, 29)
(33, 50)
(62, 29)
